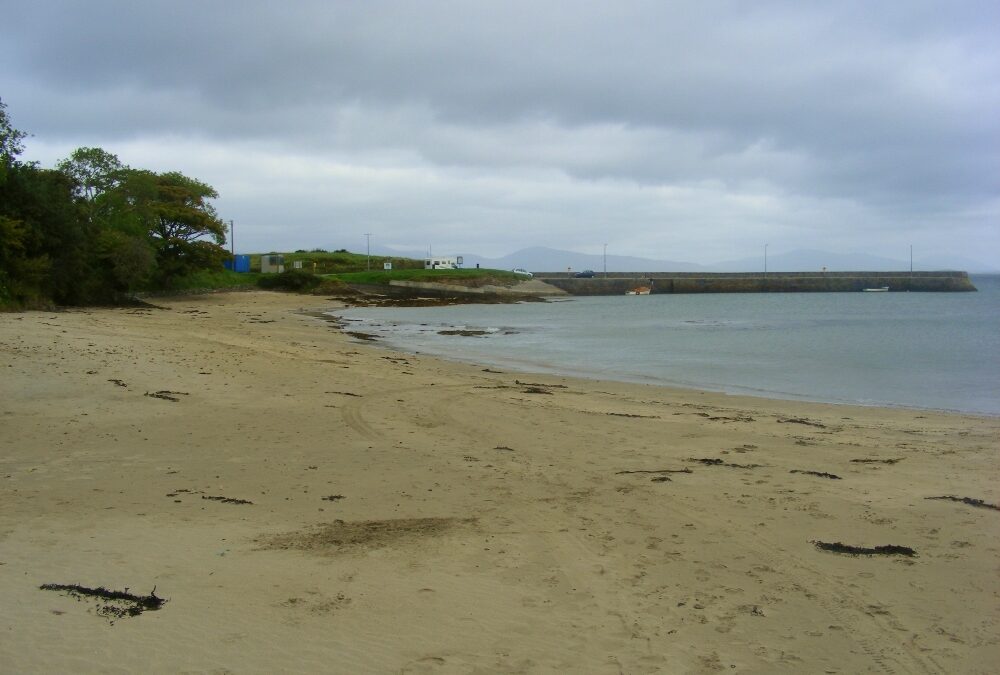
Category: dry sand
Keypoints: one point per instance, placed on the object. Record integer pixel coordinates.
(417, 516)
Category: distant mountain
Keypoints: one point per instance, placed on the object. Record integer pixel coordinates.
(543, 259)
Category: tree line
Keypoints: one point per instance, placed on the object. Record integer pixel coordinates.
(93, 230)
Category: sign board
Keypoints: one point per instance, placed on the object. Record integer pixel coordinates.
(458, 260)
(387, 266)
(297, 264)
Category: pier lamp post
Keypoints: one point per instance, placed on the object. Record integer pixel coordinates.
(765, 260)
(605, 261)
(368, 249)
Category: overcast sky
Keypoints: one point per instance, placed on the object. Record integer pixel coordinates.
(690, 131)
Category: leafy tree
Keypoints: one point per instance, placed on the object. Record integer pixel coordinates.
(10, 139)
(127, 261)
(94, 171)
(94, 229)
(49, 240)
(183, 227)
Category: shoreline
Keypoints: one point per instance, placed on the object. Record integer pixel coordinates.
(300, 499)
(393, 334)
(542, 370)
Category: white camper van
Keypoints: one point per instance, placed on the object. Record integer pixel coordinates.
(442, 263)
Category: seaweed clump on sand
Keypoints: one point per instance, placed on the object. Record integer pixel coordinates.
(888, 549)
(226, 500)
(971, 501)
(111, 604)
(710, 461)
(821, 474)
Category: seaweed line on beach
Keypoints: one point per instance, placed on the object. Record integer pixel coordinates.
(821, 474)
(709, 461)
(684, 470)
(117, 604)
(725, 418)
(872, 460)
(227, 500)
(800, 420)
(540, 384)
(971, 501)
(888, 549)
(166, 395)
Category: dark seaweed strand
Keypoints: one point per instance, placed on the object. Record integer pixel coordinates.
(979, 503)
(150, 602)
(889, 549)
(821, 474)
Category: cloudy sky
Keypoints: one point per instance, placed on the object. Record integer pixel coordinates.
(690, 131)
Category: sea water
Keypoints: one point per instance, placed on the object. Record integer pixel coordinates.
(924, 350)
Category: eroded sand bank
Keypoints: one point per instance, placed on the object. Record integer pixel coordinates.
(411, 515)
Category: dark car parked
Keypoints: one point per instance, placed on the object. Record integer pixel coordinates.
(585, 274)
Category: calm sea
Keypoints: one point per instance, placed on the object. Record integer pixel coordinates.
(923, 350)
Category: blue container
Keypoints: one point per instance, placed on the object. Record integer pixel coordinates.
(239, 263)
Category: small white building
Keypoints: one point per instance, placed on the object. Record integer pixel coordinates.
(442, 263)
(272, 263)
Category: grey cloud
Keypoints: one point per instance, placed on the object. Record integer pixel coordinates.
(888, 105)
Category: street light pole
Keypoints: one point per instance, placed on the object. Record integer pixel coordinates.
(368, 248)
(765, 260)
(605, 261)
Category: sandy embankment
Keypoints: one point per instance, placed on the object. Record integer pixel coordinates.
(411, 515)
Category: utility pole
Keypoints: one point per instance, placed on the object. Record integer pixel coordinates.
(368, 248)
(911, 260)
(765, 260)
(605, 261)
(232, 241)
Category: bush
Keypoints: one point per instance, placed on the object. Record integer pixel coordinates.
(292, 280)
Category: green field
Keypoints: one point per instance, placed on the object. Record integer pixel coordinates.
(335, 262)
(473, 277)
(336, 269)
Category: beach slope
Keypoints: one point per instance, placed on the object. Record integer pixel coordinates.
(307, 502)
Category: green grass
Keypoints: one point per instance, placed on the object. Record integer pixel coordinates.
(345, 268)
(337, 262)
(213, 279)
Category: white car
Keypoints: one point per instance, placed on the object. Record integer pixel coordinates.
(523, 272)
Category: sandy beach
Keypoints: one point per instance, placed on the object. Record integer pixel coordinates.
(308, 502)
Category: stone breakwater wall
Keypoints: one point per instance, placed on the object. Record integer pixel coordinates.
(618, 283)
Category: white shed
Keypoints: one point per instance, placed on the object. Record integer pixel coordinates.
(272, 263)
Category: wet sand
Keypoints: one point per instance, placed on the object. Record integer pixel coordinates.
(307, 502)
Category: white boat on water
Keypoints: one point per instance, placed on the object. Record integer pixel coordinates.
(880, 289)
(641, 290)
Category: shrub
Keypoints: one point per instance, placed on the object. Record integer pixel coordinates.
(292, 280)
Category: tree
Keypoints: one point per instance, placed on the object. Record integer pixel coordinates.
(127, 261)
(95, 229)
(174, 210)
(94, 171)
(10, 139)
